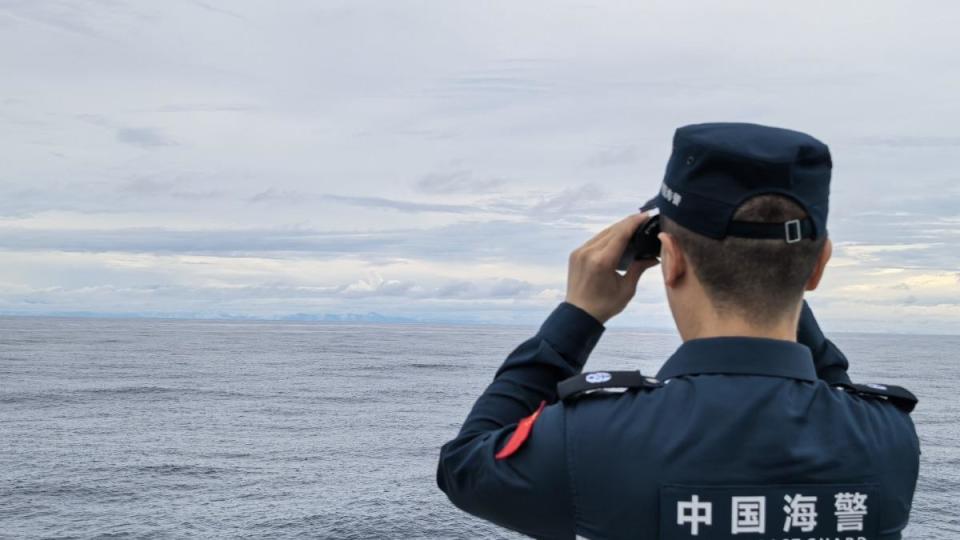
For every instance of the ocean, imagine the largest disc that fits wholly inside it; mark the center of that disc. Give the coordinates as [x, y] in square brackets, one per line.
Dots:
[117, 428]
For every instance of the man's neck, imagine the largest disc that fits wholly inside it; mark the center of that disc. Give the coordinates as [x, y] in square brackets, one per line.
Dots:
[719, 325]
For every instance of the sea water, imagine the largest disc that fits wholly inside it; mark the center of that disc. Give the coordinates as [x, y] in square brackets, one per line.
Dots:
[117, 428]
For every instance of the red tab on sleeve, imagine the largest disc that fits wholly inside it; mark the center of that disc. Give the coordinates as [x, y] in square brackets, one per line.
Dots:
[520, 434]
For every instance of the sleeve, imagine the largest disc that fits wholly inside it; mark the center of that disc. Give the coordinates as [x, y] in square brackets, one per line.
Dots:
[528, 491]
[830, 363]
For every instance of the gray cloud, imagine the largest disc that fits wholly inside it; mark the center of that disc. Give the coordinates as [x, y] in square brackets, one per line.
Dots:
[462, 242]
[483, 289]
[575, 204]
[511, 288]
[58, 14]
[937, 256]
[136, 193]
[22, 202]
[207, 107]
[219, 10]
[581, 204]
[273, 194]
[143, 136]
[507, 80]
[461, 290]
[570, 201]
[456, 182]
[152, 187]
[909, 141]
[921, 241]
[618, 155]
[146, 186]
[401, 205]
[166, 241]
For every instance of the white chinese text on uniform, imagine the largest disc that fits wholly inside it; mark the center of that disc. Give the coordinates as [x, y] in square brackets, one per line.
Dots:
[801, 512]
[749, 515]
[694, 512]
[851, 508]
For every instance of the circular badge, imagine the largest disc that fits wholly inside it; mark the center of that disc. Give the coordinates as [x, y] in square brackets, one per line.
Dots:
[598, 377]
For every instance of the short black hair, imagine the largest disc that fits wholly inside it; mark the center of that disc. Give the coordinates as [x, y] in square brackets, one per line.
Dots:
[757, 279]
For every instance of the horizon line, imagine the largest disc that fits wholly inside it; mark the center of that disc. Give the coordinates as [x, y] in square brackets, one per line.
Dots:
[371, 318]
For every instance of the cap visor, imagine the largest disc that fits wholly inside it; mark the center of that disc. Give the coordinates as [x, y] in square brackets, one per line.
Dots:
[649, 205]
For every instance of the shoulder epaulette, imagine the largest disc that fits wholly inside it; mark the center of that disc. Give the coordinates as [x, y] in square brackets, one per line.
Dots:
[898, 395]
[597, 380]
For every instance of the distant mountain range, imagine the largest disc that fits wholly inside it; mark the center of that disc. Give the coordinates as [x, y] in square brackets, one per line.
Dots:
[371, 316]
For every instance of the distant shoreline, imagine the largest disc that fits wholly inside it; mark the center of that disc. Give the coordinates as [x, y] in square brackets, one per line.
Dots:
[369, 320]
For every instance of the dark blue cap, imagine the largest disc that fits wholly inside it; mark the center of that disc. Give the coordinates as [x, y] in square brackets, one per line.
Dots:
[714, 168]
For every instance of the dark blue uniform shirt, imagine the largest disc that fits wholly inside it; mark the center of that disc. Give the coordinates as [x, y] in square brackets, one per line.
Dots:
[740, 438]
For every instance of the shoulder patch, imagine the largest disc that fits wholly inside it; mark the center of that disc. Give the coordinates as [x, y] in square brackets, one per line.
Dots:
[520, 434]
[898, 395]
[596, 380]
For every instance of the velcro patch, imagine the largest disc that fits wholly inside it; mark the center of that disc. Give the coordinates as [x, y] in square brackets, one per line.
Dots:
[898, 395]
[597, 380]
[520, 434]
[782, 512]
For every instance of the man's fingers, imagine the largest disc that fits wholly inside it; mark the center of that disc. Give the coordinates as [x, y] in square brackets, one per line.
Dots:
[624, 229]
[636, 269]
[618, 237]
[605, 248]
[597, 237]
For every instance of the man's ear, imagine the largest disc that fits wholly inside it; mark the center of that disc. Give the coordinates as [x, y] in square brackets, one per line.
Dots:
[825, 254]
[673, 264]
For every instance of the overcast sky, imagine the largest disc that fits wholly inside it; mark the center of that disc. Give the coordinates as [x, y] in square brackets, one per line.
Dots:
[439, 160]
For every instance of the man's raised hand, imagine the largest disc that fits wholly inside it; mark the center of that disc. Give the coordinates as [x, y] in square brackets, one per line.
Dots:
[593, 283]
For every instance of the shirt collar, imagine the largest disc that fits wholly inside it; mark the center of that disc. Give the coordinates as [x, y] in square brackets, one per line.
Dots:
[741, 356]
